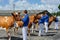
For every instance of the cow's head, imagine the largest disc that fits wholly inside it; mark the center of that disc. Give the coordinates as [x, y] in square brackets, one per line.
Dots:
[16, 15]
[39, 15]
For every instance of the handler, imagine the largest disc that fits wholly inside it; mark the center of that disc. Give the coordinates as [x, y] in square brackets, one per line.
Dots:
[46, 20]
[25, 25]
[41, 25]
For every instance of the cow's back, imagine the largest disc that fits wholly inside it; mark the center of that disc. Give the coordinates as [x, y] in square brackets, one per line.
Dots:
[6, 21]
[31, 18]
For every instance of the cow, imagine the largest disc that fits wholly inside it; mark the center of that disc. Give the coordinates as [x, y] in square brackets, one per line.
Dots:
[51, 18]
[7, 22]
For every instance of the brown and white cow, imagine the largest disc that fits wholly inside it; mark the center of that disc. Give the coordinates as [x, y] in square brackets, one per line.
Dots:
[8, 21]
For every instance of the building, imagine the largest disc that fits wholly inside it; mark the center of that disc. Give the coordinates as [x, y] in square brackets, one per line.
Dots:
[8, 12]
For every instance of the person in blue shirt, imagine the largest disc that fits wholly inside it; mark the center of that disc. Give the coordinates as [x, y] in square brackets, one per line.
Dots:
[46, 20]
[41, 25]
[25, 25]
[56, 22]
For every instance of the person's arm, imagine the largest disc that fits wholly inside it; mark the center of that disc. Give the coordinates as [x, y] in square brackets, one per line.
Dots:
[57, 19]
[46, 17]
[24, 19]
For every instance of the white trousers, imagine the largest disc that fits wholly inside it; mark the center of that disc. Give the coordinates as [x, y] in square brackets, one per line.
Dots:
[24, 33]
[46, 26]
[56, 25]
[41, 29]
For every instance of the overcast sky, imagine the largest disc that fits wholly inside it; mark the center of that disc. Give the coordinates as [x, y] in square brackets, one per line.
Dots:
[50, 5]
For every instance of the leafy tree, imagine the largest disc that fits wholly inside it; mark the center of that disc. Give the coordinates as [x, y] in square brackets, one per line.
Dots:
[56, 13]
[59, 6]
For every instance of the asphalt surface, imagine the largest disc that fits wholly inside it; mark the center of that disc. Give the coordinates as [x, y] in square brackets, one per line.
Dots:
[51, 35]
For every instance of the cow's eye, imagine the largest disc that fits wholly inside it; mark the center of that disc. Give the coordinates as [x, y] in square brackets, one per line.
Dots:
[16, 15]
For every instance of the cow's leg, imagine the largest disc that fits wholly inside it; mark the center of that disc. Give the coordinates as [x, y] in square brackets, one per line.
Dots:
[9, 36]
[15, 28]
[33, 27]
[49, 24]
[29, 26]
[36, 26]
[29, 32]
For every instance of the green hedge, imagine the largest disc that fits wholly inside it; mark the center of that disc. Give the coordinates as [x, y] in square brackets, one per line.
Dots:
[57, 13]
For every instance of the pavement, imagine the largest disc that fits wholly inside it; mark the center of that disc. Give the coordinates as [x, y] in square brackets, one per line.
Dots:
[51, 35]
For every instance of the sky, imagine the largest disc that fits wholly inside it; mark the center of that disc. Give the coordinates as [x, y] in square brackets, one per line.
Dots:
[50, 5]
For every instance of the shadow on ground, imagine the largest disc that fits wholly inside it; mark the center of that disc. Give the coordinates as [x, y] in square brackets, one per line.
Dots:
[56, 37]
[12, 38]
[53, 29]
[50, 34]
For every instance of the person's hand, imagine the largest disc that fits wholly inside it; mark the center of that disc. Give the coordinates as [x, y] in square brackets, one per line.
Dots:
[41, 15]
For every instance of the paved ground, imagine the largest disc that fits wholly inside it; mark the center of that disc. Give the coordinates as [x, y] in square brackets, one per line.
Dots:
[51, 35]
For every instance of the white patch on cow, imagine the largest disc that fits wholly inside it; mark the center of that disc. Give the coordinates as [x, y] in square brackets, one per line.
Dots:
[16, 24]
[2, 28]
[16, 12]
[6, 18]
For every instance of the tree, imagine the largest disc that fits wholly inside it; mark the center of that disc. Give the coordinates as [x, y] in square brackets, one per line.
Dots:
[59, 6]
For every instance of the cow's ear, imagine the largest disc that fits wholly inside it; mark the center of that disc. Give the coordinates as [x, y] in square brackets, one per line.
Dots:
[12, 14]
[18, 12]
